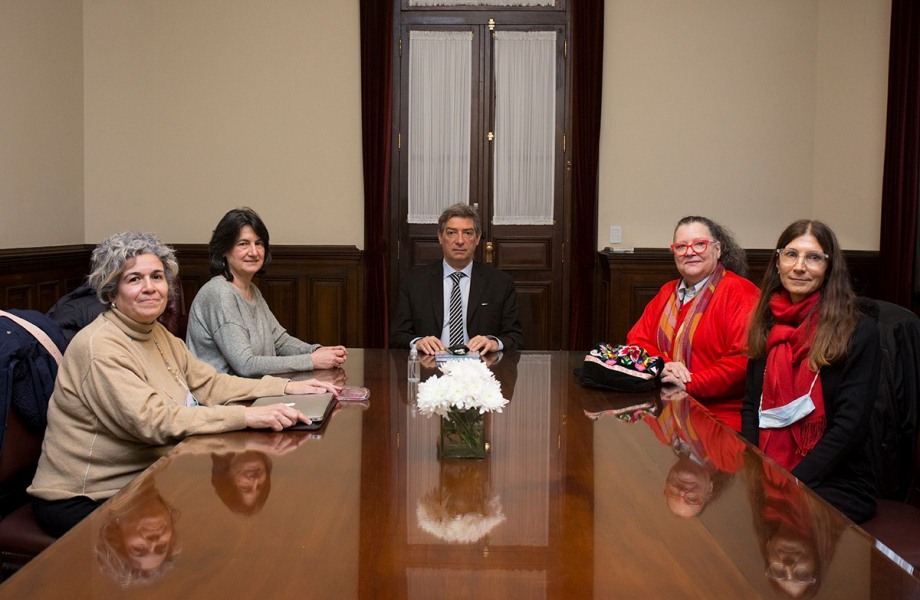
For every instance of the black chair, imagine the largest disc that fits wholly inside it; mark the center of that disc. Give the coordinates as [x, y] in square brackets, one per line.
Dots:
[894, 441]
[21, 539]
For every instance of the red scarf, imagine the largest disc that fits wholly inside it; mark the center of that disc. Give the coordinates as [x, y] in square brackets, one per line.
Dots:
[785, 502]
[676, 341]
[789, 377]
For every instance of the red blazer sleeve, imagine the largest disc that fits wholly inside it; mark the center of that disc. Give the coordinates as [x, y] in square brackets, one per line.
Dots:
[718, 357]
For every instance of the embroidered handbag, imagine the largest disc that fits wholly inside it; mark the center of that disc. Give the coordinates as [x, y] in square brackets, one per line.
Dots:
[621, 368]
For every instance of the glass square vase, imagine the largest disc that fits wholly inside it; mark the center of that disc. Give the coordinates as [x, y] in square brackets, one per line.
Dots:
[463, 434]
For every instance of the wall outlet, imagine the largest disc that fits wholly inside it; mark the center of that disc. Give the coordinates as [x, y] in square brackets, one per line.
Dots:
[616, 234]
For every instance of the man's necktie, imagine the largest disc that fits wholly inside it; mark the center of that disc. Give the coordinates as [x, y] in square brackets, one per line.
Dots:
[456, 310]
[687, 295]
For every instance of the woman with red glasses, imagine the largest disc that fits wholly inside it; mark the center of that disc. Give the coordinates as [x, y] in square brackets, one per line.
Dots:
[698, 323]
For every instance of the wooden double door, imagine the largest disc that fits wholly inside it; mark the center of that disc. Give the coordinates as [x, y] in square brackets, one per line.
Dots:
[481, 116]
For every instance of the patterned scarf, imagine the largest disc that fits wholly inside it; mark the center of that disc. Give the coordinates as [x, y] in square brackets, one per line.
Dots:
[789, 377]
[676, 341]
[675, 428]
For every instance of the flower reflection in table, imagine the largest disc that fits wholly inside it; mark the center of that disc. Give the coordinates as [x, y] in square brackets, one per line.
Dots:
[462, 509]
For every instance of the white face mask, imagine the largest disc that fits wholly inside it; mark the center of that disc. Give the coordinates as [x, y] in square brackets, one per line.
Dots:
[783, 416]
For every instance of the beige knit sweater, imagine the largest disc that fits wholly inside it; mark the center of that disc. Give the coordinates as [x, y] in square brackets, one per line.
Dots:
[117, 407]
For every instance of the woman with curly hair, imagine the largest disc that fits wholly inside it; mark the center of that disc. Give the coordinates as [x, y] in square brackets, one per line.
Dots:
[127, 389]
[698, 322]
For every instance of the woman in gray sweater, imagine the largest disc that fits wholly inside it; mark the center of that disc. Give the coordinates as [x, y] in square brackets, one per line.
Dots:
[230, 325]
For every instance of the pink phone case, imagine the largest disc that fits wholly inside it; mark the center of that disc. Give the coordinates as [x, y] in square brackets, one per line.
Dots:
[351, 393]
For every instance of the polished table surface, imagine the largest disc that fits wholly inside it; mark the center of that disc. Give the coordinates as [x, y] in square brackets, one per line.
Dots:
[584, 494]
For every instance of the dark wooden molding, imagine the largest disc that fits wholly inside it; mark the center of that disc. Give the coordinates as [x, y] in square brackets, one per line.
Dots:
[628, 281]
[34, 278]
[316, 292]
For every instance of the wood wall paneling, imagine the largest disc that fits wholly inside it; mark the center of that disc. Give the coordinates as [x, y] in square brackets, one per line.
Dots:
[523, 255]
[533, 299]
[425, 251]
[281, 294]
[34, 278]
[314, 291]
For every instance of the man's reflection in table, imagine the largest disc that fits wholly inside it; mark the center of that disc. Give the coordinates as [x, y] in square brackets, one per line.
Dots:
[708, 455]
[796, 532]
[137, 542]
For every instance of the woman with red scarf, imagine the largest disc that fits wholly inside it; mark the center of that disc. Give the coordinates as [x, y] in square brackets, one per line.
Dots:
[698, 323]
[814, 370]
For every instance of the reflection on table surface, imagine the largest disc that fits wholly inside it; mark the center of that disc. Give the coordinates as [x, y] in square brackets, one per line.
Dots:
[585, 493]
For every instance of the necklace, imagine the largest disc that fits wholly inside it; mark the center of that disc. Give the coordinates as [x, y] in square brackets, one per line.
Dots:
[189, 398]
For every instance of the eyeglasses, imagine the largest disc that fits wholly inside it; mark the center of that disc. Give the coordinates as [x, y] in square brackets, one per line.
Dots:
[790, 256]
[779, 572]
[698, 246]
[690, 497]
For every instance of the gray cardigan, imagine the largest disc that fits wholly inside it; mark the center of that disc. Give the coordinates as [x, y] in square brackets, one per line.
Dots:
[240, 337]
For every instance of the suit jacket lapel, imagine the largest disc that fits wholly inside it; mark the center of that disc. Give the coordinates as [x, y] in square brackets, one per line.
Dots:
[477, 286]
[436, 293]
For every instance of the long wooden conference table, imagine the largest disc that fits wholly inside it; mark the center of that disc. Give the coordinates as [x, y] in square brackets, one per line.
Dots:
[584, 494]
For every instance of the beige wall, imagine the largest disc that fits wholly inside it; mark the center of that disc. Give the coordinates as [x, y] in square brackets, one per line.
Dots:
[41, 123]
[752, 113]
[194, 107]
[163, 114]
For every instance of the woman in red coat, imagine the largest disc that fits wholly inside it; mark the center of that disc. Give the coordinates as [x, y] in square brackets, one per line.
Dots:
[698, 323]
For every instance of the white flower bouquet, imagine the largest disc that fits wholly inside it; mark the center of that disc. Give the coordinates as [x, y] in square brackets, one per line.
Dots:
[465, 385]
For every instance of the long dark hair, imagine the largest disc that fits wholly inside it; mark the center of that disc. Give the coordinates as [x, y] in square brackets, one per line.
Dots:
[733, 256]
[839, 312]
[225, 234]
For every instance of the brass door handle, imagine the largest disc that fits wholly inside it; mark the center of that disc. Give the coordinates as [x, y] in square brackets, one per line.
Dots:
[489, 252]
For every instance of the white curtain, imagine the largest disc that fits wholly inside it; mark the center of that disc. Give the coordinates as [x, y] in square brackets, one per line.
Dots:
[440, 79]
[525, 113]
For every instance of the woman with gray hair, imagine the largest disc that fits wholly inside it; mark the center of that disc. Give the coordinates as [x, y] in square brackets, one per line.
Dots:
[128, 389]
[698, 322]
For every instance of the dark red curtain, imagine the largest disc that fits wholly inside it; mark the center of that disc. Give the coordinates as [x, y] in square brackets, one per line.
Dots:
[587, 73]
[900, 192]
[376, 116]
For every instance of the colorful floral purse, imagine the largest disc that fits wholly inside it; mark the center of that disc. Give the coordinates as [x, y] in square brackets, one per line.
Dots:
[620, 368]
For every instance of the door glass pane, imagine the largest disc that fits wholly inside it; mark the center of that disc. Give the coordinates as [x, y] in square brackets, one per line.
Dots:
[525, 114]
[440, 79]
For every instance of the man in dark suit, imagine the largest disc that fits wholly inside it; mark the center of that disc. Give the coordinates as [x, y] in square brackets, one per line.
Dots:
[489, 305]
